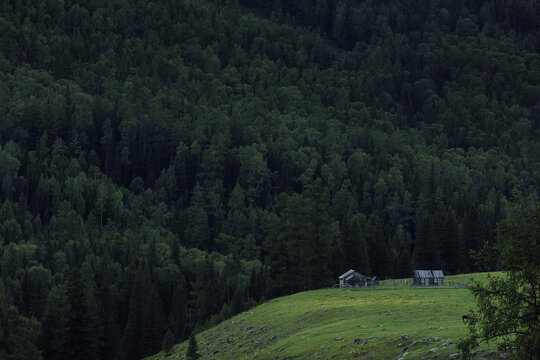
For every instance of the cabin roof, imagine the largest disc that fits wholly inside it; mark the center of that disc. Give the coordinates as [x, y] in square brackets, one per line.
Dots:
[350, 274]
[428, 273]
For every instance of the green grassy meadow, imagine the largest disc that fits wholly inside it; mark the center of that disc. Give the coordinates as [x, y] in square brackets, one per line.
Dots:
[323, 324]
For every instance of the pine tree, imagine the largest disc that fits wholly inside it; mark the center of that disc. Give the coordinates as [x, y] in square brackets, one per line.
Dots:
[425, 250]
[322, 234]
[80, 337]
[404, 266]
[278, 258]
[355, 244]
[197, 231]
[192, 349]
[237, 302]
[54, 324]
[89, 289]
[472, 237]
[138, 305]
[145, 324]
[449, 244]
[168, 342]
[10, 230]
[9, 317]
[376, 243]
[153, 324]
[25, 340]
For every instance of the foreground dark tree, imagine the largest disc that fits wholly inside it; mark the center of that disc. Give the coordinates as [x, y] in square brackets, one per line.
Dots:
[168, 342]
[509, 307]
[81, 342]
[192, 350]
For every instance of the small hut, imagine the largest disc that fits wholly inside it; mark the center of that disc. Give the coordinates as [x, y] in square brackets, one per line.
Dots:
[428, 278]
[352, 279]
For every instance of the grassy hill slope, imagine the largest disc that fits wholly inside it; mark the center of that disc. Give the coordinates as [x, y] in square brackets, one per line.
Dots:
[340, 323]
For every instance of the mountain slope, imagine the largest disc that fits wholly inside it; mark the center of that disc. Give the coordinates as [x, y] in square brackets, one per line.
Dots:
[324, 323]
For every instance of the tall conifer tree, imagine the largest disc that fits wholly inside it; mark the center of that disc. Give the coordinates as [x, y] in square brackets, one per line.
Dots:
[449, 243]
[81, 342]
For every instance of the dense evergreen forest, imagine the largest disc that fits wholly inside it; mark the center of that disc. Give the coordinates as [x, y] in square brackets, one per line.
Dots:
[167, 164]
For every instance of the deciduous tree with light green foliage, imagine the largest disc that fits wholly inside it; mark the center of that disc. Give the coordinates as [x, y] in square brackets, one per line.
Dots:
[508, 310]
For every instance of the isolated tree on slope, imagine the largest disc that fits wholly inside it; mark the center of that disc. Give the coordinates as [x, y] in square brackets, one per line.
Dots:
[192, 350]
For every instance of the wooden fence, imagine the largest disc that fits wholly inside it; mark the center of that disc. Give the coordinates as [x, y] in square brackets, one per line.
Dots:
[398, 284]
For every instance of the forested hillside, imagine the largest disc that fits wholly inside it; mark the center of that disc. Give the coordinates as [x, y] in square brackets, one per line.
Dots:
[166, 164]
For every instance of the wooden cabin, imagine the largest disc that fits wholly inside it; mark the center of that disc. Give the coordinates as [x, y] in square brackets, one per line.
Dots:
[428, 278]
[352, 279]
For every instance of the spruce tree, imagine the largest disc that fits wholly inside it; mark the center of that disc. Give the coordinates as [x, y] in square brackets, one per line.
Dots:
[89, 289]
[425, 250]
[80, 337]
[132, 340]
[376, 243]
[356, 249]
[449, 244]
[472, 237]
[278, 258]
[25, 339]
[168, 342]
[192, 349]
[54, 324]
[9, 317]
[322, 235]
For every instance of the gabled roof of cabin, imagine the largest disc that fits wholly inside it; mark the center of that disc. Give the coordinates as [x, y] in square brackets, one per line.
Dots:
[428, 273]
[350, 274]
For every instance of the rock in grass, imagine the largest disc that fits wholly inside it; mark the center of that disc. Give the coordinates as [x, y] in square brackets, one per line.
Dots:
[454, 356]
[370, 337]
[403, 337]
[503, 356]
[338, 339]
[441, 328]
[414, 343]
[434, 350]
[357, 340]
